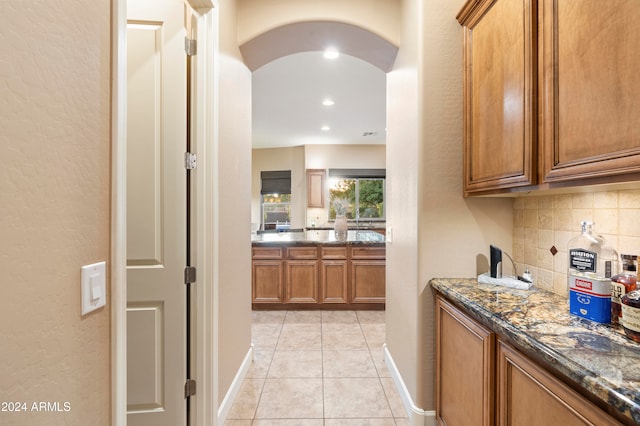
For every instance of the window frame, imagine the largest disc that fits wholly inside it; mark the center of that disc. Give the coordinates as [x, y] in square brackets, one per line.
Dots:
[358, 175]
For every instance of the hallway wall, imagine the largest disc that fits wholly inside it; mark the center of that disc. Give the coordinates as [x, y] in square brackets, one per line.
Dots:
[54, 208]
[436, 232]
[233, 200]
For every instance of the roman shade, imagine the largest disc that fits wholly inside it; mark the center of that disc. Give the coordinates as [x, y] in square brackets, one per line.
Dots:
[358, 173]
[276, 182]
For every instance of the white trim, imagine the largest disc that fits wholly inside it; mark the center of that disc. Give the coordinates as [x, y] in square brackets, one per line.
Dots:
[206, 330]
[118, 269]
[417, 416]
[234, 389]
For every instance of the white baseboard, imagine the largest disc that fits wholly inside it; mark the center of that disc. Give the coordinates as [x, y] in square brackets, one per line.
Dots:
[234, 389]
[417, 416]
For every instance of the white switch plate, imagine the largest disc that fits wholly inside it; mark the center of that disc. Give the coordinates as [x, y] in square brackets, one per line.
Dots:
[389, 234]
[93, 287]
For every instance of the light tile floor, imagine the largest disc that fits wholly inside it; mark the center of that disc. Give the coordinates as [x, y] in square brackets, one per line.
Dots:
[314, 368]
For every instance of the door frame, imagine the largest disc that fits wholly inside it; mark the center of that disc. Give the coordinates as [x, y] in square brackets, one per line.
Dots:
[204, 405]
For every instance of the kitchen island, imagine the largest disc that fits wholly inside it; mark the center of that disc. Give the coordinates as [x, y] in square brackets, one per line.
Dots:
[527, 356]
[315, 270]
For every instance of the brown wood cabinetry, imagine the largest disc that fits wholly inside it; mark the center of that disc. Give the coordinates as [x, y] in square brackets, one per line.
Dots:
[368, 281]
[527, 394]
[499, 94]
[551, 95]
[328, 277]
[590, 88]
[464, 369]
[301, 275]
[479, 384]
[334, 275]
[267, 275]
[315, 188]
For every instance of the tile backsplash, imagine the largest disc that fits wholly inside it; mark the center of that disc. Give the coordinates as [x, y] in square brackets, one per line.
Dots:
[543, 222]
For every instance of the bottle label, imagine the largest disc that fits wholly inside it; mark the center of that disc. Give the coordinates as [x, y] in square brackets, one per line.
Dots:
[631, 318]
[617, 291]
[582, 260]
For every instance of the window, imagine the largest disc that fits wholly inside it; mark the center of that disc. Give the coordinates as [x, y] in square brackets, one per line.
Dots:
[276, 198]
[359, 193]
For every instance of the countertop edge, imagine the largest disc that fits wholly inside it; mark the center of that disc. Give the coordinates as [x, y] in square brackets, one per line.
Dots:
[590, 385]
[317, 243]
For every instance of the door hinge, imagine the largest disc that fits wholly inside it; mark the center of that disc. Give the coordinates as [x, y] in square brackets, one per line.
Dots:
[189, 388]
[190, 46]
[189, 274]
[190, 160]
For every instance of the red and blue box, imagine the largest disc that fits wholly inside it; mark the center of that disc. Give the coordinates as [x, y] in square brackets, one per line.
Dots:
[590, 298]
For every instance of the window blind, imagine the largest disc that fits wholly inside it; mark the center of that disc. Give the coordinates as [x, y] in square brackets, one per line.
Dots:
[276, 182]
[358, 173]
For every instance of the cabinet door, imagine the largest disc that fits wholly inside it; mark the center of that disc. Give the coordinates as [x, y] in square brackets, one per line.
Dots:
[334, 281]
[590, 88]
[267, 281]
[301, 281]
[465, 369]
[500, 99]
[315, 188]
[368, 281]
[528, 395]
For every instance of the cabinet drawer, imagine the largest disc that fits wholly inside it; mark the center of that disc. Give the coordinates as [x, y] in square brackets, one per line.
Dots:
[368, 252]
[333, 252]
[302, 253]
[266, 252]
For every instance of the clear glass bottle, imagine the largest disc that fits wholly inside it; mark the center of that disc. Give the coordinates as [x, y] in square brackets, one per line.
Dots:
[622, 284]
[592, 263]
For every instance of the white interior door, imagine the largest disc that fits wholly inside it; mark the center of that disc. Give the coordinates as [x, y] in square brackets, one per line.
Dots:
[156, 213]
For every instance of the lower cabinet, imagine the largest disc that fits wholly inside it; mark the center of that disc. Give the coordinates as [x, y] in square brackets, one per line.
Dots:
[368, 266]
[368, 281]
[482, 380]
[464, 369]
[528, 394]
[301, 281]
[336, 277]
[267, 281]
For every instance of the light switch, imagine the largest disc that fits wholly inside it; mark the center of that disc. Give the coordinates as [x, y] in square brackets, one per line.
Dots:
[96, 289]
[93, 287]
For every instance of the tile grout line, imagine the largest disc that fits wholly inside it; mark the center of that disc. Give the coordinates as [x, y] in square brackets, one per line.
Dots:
[266, 376]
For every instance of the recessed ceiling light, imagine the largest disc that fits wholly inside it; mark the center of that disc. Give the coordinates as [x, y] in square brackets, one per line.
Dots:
[325, 128]
[331, 53]
[327, 102]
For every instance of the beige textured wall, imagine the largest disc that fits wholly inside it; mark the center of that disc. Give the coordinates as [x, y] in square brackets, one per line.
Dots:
[298, 159]
[345, 156]
[54, 207]
[233, 193]
[436, 232]
[259, 16]
[280, 159]
[544, 221]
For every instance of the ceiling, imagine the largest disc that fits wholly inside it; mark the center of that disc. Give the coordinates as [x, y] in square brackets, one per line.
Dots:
[291, 78]
[287, 98]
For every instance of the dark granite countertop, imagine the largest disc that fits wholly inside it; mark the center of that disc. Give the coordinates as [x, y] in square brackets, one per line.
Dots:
[596, 357]
[373, 227]
[318, 237]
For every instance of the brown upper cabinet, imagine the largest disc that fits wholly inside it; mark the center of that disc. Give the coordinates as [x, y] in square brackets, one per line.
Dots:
[315, 188]
[551, 95]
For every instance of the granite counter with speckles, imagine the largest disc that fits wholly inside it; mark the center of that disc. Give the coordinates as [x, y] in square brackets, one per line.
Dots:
[596, 359]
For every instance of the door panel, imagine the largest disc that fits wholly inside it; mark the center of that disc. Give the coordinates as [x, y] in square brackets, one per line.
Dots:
[145, 356]
[144, 134]
[156, 213]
